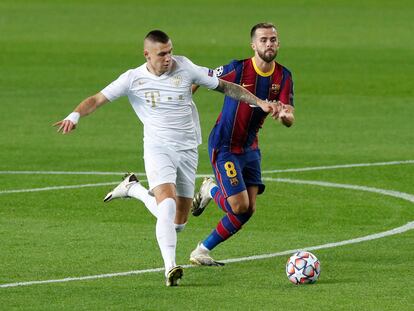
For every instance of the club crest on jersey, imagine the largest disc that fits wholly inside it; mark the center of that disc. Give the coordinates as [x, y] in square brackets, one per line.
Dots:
[176, 81]
[275, 88]
[234, 181]
[219, 71]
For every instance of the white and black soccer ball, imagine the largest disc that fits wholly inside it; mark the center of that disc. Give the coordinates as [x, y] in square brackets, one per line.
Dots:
[303, 268]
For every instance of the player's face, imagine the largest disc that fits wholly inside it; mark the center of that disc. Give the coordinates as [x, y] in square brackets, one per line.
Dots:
[159, 56]
[265, 44]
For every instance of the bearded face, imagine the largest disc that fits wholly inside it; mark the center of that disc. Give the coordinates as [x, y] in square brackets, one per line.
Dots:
[268, 55]
[265, 43]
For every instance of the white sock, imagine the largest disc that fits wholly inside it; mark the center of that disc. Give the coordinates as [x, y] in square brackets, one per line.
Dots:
[139, 192]
[165, 232]
[179, 227]
[203, 248]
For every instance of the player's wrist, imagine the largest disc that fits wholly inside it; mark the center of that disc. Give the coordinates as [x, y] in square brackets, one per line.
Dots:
[73, 117]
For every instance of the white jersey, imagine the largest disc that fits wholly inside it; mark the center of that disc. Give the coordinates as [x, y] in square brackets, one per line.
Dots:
[164, 103]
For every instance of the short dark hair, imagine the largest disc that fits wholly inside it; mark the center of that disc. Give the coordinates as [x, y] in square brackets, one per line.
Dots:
[157, 36]
[260, 25]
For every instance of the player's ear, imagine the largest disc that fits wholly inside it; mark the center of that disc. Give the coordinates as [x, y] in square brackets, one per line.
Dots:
[146, 53]
[253, 46]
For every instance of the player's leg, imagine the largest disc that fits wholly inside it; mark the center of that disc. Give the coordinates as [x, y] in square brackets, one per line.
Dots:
[139, 192]
[229, 225]
[239, 181]
[242, 204]
[229, 191]
[155, 158]
[165, 230]
[230, 194]
[237, 214]
[183, 209]
[186, 174]
[229, 176]
[186, 166]
[161, 169]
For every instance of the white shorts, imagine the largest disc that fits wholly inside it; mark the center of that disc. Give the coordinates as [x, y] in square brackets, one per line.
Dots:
[164, 164]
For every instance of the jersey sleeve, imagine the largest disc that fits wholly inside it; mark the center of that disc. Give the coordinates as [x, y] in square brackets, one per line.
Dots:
[202, 75]
[226, 72]
[117, 88]
[286, 90]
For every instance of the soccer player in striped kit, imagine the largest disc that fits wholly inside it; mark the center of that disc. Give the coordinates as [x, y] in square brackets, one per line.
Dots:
[233, 142]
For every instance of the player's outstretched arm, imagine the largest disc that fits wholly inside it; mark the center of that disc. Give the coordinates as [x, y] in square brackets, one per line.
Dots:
[240, 93]
[86, 107]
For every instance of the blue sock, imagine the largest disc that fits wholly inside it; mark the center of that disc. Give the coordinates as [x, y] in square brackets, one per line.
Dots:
[228, 226]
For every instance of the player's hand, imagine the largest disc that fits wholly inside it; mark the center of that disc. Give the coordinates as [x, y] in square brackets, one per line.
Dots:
[68, 124]
[285, 115]
[65, 126]
[276, 107]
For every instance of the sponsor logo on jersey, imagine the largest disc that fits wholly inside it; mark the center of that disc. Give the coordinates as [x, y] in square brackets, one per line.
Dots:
[210, 72]
[247, 85]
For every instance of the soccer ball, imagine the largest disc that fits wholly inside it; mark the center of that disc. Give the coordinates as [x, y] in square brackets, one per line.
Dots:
[303, 268]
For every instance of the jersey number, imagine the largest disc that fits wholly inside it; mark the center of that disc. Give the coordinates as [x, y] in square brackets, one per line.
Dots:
[230, 170]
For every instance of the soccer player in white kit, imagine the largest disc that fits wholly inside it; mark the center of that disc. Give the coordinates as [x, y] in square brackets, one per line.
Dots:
[160, 94]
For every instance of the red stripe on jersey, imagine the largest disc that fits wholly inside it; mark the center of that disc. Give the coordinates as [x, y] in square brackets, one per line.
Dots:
[230, 76]
[218, 175]
[244, 112]
[286, 93]
[277, 77]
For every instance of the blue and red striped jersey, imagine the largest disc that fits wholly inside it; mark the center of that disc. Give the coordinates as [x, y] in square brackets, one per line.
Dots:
[238, 124]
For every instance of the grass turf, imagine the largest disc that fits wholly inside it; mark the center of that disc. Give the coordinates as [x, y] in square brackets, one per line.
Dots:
[352, 64]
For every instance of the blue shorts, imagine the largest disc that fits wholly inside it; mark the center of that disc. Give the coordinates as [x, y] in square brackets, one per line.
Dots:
[234, 172]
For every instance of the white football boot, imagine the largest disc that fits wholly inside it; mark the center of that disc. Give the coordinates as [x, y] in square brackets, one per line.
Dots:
[202, 197]
[121, 191]
[174, 276]
[201, 257]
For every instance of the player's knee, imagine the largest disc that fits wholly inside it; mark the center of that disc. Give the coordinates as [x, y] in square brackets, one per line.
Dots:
[240, 207]
[244, 209]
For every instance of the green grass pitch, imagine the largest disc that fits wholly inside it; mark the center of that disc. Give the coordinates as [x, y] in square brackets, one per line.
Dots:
[353, 66]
